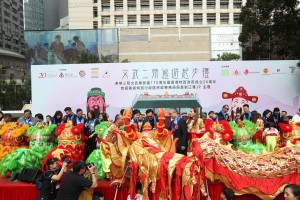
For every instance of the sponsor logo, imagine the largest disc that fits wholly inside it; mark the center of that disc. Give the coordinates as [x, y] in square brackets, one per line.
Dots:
[225, 72]
[265, 71]
[70, 75]
[82, 73]
[42, 75]
[61, 75]
[237, 72]
[292, 69]
[248, 72]
[95, 73]
[278, 71]
[51, 74]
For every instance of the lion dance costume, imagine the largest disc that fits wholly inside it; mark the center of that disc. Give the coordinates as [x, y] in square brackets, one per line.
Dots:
[13, 137]
[70, 144]
[33, 156]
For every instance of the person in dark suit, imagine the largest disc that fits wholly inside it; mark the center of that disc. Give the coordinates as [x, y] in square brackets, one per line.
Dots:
[178, 125]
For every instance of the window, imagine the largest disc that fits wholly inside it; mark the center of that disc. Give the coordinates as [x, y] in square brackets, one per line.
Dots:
[197, 4]
[236, 18]
[105, 20]
[184, 4]
[95, 24]
[95, 11]
[119, 21]
[131, 4]
[95, 1]
[158, 4]
[224, 18]
[171, 19]
[171, 4]
[197, 19]
[131, 20]
[145, 20]
[211, 18]
[118, 5]
[237, 3]
[145, 4]
[211, 4]
[158, 20]
[184, 19]
[105, 5]
[224, 4]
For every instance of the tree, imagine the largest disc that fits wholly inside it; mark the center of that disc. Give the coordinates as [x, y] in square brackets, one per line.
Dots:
[226, 57]
[85, 57]
[14, 95]
[270, 28]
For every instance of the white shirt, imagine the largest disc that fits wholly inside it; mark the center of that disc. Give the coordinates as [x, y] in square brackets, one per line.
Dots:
[296, 118]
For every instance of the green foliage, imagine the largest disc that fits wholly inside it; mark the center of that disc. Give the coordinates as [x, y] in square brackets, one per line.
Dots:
[125, 61]
[14, 95]
[226, 57]
[85, 57]
[270, 28]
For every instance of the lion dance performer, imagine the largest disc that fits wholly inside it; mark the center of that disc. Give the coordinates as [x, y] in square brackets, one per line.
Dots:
[41, 141]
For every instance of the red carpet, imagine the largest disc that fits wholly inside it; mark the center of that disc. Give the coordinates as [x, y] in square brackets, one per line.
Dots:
[26, 191]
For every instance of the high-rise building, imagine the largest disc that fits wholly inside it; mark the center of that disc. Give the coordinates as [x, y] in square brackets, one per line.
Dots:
[154, 13]
[45, 14]
[12, 47]
[34, 14]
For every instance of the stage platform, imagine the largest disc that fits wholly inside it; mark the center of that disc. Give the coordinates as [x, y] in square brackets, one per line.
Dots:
[26, 191]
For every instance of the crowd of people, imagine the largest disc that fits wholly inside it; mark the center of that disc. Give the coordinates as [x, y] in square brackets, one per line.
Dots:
[184, 129]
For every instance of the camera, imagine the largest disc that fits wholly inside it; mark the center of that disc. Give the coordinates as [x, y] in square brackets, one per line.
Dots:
[67, 161]
[89, 165]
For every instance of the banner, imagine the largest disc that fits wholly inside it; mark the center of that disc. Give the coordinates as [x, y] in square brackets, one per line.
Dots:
[64, 46]
[109, 87]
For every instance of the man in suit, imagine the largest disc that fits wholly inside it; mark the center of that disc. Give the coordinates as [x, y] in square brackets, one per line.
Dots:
[178, 125]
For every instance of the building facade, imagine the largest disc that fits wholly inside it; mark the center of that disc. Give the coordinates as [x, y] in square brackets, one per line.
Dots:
[34, 14]
[154, 13]
[163, 30]
[12, 46]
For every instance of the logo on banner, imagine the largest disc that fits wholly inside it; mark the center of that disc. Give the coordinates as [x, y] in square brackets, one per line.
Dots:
[61, 75]
[246, 72]
[292, 68]
[265, 71]
[225, 72]
[94, 73]
[69, 75]
[237, 72]
[51, 74]
[82, 73]
[42, 75]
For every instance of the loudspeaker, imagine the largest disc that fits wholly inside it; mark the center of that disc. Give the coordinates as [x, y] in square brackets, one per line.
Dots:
[29, 175]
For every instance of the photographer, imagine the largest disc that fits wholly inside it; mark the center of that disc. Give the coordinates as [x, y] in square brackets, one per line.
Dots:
[75, 182]
[50, 178]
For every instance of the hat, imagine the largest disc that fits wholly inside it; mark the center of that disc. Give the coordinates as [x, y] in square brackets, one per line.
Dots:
[57, 36]
[241, 93]
[96, 92]
[51, 161]
[75, 37]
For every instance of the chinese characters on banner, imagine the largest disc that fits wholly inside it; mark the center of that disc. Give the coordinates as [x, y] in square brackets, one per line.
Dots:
[157, 79]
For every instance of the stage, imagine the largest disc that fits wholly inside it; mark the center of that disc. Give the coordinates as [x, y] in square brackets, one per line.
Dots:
[26, 191]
